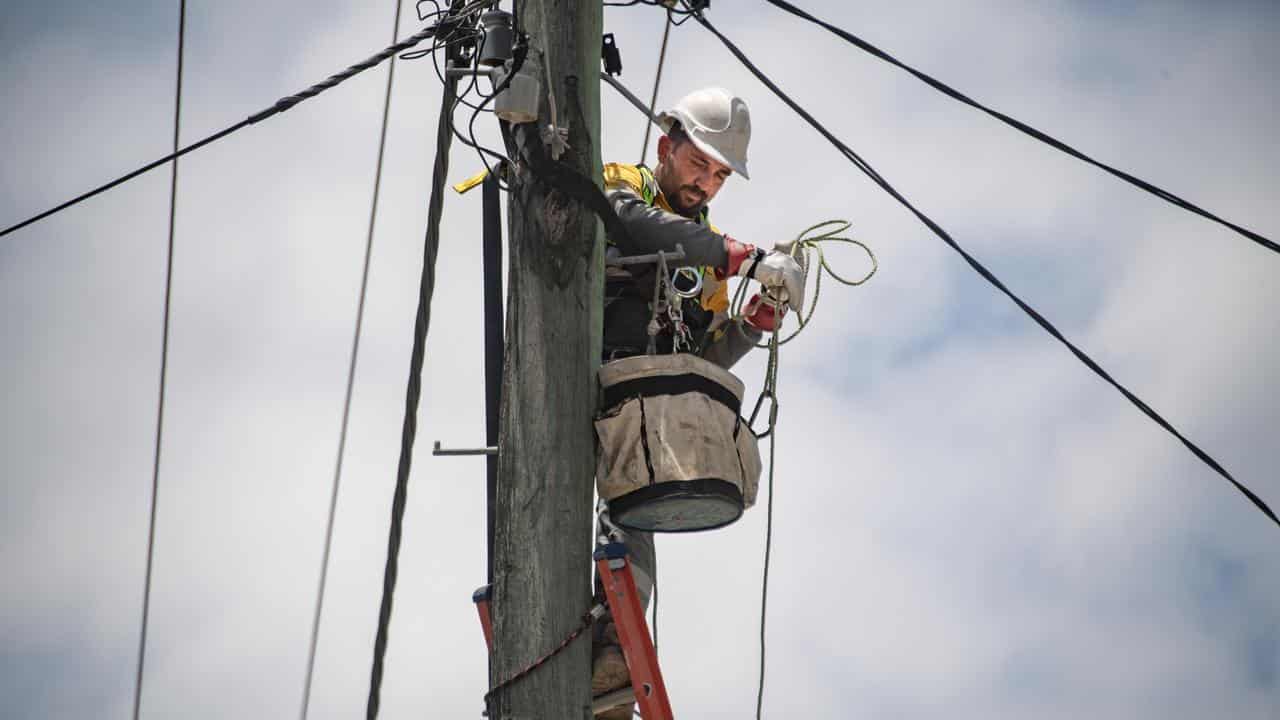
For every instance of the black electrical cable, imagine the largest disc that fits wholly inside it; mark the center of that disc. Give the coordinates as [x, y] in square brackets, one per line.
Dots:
[125, 178]
[475, 36]
[444, 137]
[651, 3]
[986, 274]
[351, 379]
[473, 85]
[1025, 128]
[494, 353]
[657, 81]
[520, 52]
[281, 105]
[471, 141]
[688, 12]
[164, 367]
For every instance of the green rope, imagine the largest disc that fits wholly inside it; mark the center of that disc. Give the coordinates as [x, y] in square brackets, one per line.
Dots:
[771, 381]
[807, 244]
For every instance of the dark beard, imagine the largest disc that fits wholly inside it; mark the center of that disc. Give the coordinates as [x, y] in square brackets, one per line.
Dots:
[690, 212]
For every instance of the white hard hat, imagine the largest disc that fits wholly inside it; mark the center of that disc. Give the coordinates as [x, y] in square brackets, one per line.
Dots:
[717, 121]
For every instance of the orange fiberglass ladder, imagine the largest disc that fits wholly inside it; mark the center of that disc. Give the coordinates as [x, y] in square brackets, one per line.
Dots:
[647, 688]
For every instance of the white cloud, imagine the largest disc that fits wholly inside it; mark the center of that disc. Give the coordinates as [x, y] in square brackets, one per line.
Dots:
[967, 522]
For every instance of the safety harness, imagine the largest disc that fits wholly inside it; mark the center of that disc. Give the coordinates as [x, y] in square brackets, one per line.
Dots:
[684, 315]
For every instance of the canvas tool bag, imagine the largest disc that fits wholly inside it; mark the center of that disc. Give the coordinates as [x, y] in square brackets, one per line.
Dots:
[674, 453]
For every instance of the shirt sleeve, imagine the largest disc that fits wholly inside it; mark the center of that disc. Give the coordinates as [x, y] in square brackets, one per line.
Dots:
[653, 229]
[730, 343]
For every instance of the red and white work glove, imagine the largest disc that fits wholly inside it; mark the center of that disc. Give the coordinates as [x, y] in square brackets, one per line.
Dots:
[779, 273]
[763, 313]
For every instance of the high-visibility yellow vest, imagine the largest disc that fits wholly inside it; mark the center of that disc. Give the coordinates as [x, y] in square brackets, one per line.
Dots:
[715, 293]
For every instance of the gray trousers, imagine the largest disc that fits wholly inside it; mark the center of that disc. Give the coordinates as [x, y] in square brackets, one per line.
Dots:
[644, 561]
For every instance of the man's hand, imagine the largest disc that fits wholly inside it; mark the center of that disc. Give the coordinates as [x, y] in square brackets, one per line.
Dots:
[781, 275]
[778, 272]
[762, 314]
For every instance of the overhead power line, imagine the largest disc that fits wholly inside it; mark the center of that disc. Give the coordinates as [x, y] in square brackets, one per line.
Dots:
[280, 106]
[413, 390]
[657, 81]
[351, 381]
[866, 168]
[164, 368]
[1027, 129]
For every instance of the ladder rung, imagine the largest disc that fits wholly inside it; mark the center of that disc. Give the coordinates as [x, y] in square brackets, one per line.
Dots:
[610, 700]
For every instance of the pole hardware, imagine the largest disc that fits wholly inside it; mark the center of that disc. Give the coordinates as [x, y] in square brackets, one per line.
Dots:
[499, 38]
[610, 55]
[437, 450]
[516, 104]
[624, 260]
[463, 72]
[686, 282]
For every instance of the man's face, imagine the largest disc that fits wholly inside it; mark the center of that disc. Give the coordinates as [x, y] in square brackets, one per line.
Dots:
[688, 177]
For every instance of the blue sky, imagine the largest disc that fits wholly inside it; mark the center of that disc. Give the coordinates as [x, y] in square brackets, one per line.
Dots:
[967, 522]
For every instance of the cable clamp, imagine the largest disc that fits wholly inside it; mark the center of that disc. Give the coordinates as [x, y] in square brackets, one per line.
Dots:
[556, 139]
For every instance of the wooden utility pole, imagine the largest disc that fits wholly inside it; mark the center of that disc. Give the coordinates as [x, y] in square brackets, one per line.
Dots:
[542, 544]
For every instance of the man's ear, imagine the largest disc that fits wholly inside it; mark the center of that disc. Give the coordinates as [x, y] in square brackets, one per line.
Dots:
[664, 148]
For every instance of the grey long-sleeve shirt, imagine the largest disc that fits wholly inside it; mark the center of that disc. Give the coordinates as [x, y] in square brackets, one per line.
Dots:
[652, 229]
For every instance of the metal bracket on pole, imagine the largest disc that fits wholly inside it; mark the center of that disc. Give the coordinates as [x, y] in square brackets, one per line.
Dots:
[437, 450]
[647, 259]
[465, 72]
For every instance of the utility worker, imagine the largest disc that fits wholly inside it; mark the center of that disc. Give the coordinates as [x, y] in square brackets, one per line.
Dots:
[704, 143]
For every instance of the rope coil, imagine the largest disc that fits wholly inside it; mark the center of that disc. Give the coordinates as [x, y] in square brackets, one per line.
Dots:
[806, 244]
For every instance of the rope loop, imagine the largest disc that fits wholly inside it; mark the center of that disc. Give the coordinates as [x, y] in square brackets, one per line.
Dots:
[807, 244]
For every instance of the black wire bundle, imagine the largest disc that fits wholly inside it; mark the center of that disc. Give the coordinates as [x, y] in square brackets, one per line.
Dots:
[322, 582]
[445, 27]
[413, 391]
[470, 40]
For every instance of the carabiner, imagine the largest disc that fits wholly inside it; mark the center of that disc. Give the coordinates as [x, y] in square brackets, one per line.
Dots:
[686, 282]
[773, 414]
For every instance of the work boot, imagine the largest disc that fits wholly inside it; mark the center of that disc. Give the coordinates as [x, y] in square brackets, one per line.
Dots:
[609, 670]
[622, 712]
[616, 705]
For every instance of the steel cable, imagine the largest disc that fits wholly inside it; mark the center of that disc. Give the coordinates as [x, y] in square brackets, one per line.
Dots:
[413, 391]
[351, 378]
[280, 106]
[164, 367]
[1040, 320]
[657, 81]
[1025, 128]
